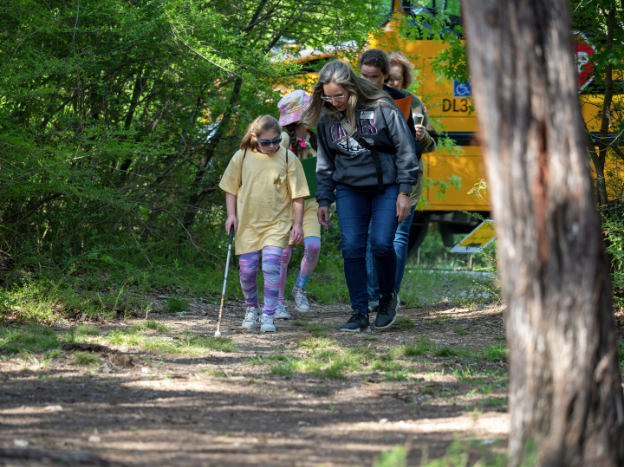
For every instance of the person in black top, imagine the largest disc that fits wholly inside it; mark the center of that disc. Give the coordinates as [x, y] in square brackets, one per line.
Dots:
[366, 157]
[375, 67]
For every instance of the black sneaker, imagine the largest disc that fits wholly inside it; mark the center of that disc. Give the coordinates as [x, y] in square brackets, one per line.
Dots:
[387, 312]
[357, 323]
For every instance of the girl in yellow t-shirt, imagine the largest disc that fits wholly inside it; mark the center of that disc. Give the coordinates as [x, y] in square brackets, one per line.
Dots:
[265, 189]
[302, 142]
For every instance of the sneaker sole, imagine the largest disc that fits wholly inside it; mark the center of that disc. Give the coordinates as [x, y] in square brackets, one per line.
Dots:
[302, 310]
[356, 330]
[268, 330]
[282, 317]
[249, 326]
[388, 325]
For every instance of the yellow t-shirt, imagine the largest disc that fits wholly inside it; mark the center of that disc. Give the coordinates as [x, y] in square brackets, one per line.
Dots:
[310, 223]
[264, 189]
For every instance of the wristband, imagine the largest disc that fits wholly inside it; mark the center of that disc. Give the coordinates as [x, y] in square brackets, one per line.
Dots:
[406, 194]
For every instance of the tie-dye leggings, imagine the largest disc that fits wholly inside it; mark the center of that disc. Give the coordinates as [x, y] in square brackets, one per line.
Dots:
[248, 270]
[312, 247]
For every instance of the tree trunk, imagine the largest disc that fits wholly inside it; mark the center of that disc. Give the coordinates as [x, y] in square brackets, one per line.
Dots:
[565, 385]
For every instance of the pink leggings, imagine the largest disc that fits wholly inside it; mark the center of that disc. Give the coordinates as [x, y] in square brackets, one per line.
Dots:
[248, 270]
[312, 247]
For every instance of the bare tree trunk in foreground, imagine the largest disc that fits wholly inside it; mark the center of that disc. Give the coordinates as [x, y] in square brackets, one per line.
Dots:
[565, 386]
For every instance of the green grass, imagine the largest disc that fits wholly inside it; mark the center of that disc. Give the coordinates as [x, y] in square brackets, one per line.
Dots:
[459, 330]
[85, 330]
[494, 352]
[315, 329]
[187, 344]
[315, 343]
[176, 305]
[30, 338]
[399, 375]
[421, 346]
[445, 351]
[403, 322]
[151, 324]
[324, 363]
[85, 358]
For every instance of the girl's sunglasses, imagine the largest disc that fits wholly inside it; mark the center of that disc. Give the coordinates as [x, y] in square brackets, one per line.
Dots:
[269, 143]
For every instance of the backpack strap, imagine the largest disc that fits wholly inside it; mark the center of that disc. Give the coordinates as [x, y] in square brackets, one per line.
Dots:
[242, 160]
[375, 155]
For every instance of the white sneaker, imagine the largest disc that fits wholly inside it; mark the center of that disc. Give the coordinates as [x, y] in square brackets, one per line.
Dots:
[281, 312]
[398, 303]
[301, 302]
[266, 323]
[251, 320]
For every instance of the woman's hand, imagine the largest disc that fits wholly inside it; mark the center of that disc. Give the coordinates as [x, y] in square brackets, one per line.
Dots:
[231, 221]
[404, 204]
[420, 129]
[324, 216]
[297, 234]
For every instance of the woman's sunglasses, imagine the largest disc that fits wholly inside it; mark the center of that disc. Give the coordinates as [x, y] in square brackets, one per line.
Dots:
[269, 143]
[333, 99]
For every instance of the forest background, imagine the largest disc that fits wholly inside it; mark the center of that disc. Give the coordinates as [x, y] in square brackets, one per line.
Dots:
[118, 118]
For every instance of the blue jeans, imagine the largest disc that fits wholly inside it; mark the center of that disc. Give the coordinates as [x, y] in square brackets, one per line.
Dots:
[357, 208]
[401, 252]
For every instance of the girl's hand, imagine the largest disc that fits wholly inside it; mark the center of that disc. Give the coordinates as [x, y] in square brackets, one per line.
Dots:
[403, 207]
[297, 234]
[324, 216]
[231, 221]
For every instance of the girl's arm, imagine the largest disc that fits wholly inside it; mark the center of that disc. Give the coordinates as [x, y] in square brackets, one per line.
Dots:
[297, 234]
[231, 221]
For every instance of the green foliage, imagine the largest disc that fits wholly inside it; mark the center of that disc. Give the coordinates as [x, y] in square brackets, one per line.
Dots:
[613, 231]
[176, 305]
[118, 119]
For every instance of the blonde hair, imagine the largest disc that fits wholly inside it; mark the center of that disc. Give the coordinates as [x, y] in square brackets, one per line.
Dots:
[361, 92]
[260, 125]
[407, 68]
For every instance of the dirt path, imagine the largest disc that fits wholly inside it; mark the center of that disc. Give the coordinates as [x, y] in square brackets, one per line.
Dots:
[304, 396]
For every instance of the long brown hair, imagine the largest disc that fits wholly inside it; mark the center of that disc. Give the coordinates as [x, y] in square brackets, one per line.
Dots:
[299, 151]
[361, 92]
[260, 125]
[407, 68]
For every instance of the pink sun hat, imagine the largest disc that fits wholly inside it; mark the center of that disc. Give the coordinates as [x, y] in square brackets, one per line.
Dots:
[292, 106]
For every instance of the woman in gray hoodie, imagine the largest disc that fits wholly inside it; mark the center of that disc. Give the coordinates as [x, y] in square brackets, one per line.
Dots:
[367, 163]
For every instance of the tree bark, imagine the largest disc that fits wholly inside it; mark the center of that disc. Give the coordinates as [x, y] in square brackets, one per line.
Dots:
[565, 386]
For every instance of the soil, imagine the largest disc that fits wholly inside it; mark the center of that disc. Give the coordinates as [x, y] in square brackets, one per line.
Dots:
[145, 409]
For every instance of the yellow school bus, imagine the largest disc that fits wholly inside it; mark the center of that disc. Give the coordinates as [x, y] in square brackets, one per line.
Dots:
[449, 103]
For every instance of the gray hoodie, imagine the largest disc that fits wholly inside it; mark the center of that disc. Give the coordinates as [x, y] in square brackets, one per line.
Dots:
[347, 162]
